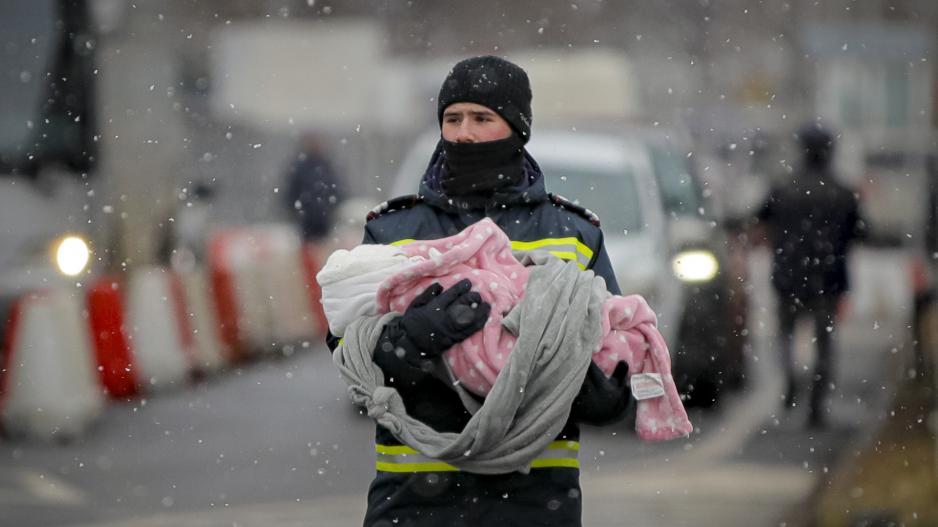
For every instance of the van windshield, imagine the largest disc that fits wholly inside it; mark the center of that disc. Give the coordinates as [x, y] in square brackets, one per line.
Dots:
[27, 34]
[680, 193]
[612, 194]
[46, 78]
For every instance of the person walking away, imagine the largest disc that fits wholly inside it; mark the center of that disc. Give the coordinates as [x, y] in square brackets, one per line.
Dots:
[811, 221]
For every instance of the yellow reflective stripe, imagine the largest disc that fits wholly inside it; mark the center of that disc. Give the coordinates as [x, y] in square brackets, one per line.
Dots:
[401, 458]
[394, 450]
[556, 463]
[564, 445]
[537, 244]
[564, 251]
[579, 248]
[415, 467]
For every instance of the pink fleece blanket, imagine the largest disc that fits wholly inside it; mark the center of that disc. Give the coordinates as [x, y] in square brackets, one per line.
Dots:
[482, 253]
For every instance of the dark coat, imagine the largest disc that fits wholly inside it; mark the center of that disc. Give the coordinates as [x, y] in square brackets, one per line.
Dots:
[811, 223]
[312, 195]
[545, 496]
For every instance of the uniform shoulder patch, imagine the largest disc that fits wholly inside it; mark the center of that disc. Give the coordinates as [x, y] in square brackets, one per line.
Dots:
[584, 212]
[391, 205]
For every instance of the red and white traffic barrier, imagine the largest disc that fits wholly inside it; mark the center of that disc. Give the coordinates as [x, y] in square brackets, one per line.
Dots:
[161, 337]
[281, 272]
[260, 287]
[312, 259]
[115, 359]
[258, 295]
[49, 388]
[238, 295]
[210, 352]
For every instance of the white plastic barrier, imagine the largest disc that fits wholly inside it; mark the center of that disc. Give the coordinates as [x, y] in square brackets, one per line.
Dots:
[260, 288]
[161, 338]
[240, 300]
[210, 353]
[881, 286]
[49, 387]
[281, 272]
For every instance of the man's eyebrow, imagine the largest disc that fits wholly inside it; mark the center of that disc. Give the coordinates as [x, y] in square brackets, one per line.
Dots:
[457, 113]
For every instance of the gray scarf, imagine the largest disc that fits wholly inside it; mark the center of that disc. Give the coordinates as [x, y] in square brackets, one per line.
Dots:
[558, 325]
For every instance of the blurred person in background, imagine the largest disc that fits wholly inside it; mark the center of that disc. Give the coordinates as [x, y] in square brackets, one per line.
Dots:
[479, 169]
[184, 238]
[810, 222]
[313, 192]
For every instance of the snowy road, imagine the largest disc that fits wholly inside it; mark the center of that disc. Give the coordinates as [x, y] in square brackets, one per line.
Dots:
[278, 444]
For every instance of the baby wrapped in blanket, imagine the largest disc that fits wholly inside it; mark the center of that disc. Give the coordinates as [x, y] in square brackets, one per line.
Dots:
[376, 279]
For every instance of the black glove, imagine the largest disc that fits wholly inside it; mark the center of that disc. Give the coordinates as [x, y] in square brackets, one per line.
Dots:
[433, 323]
[603, 401]
[437, 319]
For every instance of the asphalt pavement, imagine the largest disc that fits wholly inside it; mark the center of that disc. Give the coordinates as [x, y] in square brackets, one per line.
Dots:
[278, 444]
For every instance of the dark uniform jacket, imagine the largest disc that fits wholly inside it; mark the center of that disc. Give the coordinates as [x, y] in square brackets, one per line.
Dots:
[313, 194]
[811, 223]
[411, 490]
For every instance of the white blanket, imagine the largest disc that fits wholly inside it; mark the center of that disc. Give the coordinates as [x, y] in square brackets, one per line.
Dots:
[349, 281]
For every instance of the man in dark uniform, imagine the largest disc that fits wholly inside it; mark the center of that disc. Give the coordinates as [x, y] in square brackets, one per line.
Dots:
[811, 222]
[480, 169]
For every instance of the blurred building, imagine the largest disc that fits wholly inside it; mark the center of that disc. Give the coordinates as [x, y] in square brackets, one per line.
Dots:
[218, 91]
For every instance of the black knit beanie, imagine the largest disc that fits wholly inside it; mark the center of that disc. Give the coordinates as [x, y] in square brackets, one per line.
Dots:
[494, 83]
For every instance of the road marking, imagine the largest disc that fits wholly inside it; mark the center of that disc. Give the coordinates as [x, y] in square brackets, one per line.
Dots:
[323, 511]
[740, 481]
[14, 497]
[744, 414]
[49, 489]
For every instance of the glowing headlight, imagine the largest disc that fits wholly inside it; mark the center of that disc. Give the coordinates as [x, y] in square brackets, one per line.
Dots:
[72, 255]
[695, 266]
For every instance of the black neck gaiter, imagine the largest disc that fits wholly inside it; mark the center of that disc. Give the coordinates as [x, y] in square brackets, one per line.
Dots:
[479, 169]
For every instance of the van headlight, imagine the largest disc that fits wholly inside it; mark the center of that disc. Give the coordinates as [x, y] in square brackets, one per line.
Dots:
[695, 266]
[72, 255]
